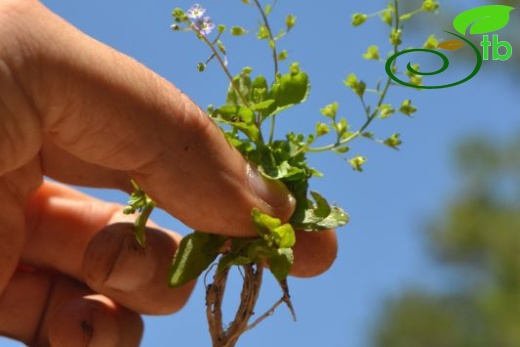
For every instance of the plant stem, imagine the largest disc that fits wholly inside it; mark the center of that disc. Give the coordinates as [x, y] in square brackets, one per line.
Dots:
[382, 96]
[220, 336]
[275, 61]
[222, 64]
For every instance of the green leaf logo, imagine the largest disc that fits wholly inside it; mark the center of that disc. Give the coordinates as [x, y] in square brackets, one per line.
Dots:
[483, 19]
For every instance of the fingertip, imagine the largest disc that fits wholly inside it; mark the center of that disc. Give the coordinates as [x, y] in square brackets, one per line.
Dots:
[94, 321]
[117, 266]
[273, 194]
[314, 253]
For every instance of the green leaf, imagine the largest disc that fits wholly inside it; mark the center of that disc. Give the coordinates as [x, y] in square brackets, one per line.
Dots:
[322, 206]
[264, 223]
[284, 236]
[289, 89]
[337, 218]
[320, 216]
[280, 263]
[258, 250]
[195, 253]
[242, 82]
[232, 259]
[259, 89]
[234, 114]
[283, 171]
[483, 19]
[274, 233]
[263, 105]
[251, 130]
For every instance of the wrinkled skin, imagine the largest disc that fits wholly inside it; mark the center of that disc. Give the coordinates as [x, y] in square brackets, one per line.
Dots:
[79, 112]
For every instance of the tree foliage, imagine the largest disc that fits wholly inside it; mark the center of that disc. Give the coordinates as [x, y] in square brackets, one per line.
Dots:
[479, 239]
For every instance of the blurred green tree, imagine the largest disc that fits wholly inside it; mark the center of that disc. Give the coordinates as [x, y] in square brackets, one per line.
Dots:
[478, 240]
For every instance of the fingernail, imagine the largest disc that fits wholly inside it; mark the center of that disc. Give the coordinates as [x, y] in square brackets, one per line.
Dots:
[273, 192]
[134, 266]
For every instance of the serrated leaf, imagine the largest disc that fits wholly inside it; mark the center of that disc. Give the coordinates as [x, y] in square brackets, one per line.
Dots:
[451, 45]
[483, 19]
[280, 263]
[195, 253]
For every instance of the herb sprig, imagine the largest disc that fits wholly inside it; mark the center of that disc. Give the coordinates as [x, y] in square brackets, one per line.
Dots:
[251, 100]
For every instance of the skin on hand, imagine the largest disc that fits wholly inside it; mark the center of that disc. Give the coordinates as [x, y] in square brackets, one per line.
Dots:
[81, 113]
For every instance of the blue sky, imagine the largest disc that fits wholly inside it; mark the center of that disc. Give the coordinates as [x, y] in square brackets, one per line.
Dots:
[381, 250]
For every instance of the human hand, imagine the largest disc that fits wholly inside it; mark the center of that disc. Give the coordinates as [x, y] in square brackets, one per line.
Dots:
[81, 113]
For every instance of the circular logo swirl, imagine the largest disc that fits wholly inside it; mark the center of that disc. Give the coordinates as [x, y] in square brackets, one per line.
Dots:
[445, 64]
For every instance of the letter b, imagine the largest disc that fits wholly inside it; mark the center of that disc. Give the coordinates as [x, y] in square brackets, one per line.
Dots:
[496, 49]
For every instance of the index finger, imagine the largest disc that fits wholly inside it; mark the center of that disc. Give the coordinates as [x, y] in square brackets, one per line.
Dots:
[106, 110]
